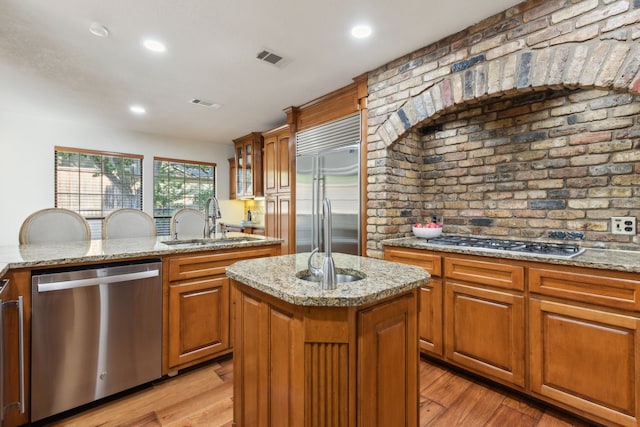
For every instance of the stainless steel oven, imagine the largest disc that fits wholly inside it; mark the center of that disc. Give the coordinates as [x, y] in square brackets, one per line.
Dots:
[95, 332]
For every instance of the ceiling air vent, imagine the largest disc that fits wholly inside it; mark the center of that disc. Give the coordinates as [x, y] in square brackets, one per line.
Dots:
[270, 57]
[204, 103]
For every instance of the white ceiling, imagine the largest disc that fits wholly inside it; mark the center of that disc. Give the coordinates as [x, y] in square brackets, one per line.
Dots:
[51, 64]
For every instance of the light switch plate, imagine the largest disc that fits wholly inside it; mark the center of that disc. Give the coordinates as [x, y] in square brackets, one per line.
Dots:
[623, 225]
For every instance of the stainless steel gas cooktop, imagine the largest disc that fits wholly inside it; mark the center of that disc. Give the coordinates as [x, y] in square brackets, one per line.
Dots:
[562, 250]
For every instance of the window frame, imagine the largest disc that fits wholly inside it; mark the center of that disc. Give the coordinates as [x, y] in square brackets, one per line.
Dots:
[162, 220]
[95, 220]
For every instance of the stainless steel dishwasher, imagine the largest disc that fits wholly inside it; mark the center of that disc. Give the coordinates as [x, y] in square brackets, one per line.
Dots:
[95, 332]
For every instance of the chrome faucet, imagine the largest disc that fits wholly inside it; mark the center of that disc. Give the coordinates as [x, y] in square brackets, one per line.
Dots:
[210, 217]
[328, 269]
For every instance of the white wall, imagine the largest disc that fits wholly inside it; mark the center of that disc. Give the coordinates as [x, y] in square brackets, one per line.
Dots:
[27, 161]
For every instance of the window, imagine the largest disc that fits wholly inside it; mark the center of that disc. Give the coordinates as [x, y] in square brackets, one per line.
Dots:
[180, 184]
[94, 183]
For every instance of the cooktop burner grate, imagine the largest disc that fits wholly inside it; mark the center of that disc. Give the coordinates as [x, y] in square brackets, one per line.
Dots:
[566, 250]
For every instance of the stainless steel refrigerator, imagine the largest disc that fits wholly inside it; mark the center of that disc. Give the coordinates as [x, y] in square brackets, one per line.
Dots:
[335, 174]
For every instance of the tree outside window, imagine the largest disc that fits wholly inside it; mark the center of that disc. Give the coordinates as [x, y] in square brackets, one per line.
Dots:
[94, 183]
[180, 184]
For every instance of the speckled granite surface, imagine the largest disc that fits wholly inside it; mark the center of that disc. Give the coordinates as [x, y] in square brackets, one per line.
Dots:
[276, 276]
[595, 258]
[55, 254]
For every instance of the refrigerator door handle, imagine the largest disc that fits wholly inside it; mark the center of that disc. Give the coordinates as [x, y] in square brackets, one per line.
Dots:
[315, 189]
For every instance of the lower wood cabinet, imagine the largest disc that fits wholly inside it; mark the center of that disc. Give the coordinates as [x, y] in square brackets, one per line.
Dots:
[197, 305]
[430, 316]
[484, 317]
[324, 366]
[15, 402]
[198, 319]
[484, 331]
[586, 358]
[386, 378]
[584, 341]
[567, 335]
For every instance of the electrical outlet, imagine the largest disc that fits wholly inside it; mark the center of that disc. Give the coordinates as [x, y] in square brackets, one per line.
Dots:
[623, 225]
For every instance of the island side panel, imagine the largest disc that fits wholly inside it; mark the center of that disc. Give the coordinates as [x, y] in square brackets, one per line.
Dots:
[388, 363]
[330, 355]
[303, 366]
[268, 361]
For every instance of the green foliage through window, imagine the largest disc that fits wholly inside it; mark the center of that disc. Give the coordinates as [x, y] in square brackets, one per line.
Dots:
[180, 184]
[94, 184]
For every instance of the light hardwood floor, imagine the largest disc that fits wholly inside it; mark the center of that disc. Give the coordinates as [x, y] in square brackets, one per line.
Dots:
[203, 397]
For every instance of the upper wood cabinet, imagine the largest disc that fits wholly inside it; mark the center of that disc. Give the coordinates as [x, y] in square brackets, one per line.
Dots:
[279, 170]
[232, 178]
[278, 161]
[248, 156]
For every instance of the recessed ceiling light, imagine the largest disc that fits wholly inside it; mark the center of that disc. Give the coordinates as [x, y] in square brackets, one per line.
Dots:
[98, 29]
[137, 109]
[361, 31]
[154, 45]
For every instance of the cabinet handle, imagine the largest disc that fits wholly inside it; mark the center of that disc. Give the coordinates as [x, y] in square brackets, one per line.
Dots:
[21, 351]
[19, 303]
[95, 281]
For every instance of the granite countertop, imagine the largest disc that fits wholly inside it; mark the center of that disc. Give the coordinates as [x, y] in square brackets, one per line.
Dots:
[55, 254]
[276, 276]
[606, 259]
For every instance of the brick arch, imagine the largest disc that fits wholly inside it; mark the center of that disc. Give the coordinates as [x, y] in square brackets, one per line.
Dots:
[608, 65]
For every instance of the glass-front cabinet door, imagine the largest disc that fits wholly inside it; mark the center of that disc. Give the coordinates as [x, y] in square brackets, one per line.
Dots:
[247, 169]
[239, 169]
[249, 165]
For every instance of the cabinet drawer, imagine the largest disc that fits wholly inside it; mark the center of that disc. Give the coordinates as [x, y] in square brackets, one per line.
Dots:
[584, 286]
[431, 263]
[213, 264]
[485, 273]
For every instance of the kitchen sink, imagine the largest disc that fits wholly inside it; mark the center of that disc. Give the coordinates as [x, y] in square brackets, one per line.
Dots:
[343, 277]
[181, 243]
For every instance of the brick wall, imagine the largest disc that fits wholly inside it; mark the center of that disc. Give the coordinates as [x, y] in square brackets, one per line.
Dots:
[525, 123]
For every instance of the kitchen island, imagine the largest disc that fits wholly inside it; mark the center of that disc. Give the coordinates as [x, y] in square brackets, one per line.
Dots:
[308, 356]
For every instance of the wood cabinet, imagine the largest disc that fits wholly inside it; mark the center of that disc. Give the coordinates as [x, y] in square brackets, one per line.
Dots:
[567, 335]
[278, 161]
[386, 368]
[484, 312]
[585, 345]
[279, 220]
[232, 178]
[430, 317]
[293, 365]
[279, 169]
[197, 321]
[248, 159]
[14, 375]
